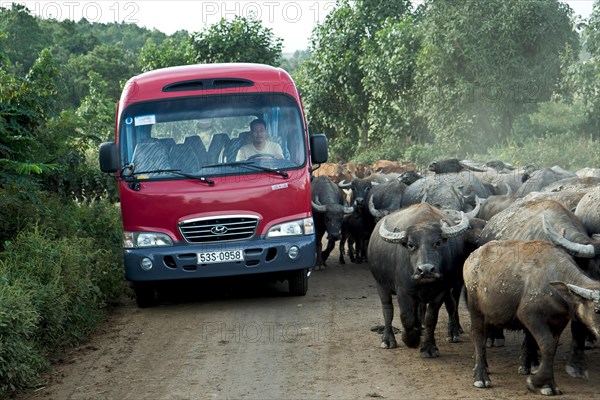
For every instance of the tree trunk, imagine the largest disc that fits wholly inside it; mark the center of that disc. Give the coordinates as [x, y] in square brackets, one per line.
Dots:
[364, 136]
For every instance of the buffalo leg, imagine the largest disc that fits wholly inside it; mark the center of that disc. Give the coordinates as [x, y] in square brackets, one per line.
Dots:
[547, 341]
[320, 262]
[328, 249]
[481, 378]
[576, 365]
[529, 356]
[429, 348]
[495, 337]
[388, 340]
[411, 334]
[342, 245]
[454, 328]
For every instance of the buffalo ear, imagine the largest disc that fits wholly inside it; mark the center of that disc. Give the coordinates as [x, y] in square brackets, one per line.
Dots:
[574, 293]
[564, 291]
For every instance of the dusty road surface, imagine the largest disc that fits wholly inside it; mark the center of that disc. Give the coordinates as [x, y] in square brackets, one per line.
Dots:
[250, 340]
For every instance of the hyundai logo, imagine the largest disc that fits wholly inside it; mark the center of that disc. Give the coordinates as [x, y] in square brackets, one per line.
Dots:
[218, 230]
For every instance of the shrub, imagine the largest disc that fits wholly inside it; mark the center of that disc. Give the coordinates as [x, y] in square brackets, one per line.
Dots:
[20, 355]
[59, 274]
[54, 282]
[570, 151]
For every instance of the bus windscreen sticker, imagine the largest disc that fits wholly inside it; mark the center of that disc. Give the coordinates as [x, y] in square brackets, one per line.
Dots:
[145, 120]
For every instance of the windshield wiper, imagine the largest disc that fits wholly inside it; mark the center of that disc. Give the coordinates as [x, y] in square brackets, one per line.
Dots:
[250, 165]
[128, 173]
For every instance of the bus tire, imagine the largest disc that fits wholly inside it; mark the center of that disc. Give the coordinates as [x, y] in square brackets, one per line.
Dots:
[298, 282]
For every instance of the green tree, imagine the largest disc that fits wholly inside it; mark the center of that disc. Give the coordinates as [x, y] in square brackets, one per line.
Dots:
[174, 50]
[24, 39]
[388, 65]
[114, 64]
[483, 63]
[588, 73]
[25, 105]
[332, 78]
[238, 40]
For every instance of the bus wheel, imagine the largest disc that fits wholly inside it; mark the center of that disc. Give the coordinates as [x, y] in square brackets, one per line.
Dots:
[145, 294]
[298, 282]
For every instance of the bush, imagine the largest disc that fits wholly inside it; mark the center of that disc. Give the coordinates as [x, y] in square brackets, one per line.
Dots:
[20, 355]
[55, 282]
[60, 275]
[570, 151]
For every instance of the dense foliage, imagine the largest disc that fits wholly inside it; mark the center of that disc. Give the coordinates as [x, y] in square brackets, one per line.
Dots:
[450, 78]
[512, 80]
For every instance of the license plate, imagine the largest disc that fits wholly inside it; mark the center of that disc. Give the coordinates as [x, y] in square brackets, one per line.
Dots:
[212, 257]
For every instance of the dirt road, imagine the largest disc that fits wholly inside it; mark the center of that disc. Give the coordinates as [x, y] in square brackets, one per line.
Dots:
[250, 340]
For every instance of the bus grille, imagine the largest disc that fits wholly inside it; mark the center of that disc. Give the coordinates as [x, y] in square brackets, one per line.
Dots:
[222, 229]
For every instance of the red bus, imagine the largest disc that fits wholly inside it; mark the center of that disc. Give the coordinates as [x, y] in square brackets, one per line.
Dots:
[199, 198]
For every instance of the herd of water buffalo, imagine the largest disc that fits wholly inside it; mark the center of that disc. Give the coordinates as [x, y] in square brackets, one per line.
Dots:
[523, 242]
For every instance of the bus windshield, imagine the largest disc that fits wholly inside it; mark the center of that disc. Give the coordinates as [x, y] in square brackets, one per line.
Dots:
[212, 135]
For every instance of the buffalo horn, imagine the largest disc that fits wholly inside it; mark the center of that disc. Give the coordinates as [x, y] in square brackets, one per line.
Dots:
[473, 213]
[375, 212]
[589, 294]
[318, 206]
[344, 185]
[577, 249]
[388, 236]
[472, 167]
[455, 230]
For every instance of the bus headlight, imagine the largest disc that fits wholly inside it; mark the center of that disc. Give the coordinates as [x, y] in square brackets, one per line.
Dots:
[293, 228]
[132, 240]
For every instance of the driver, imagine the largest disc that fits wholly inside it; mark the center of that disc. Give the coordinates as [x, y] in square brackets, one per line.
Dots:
[261, 145]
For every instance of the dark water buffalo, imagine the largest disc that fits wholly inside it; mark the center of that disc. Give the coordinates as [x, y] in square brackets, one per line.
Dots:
[416, 253]
[356, 231]
[328, 213]
[360, 188]
[449, 165]
[534, 286]
[440, 193]
[385, 198]
[588, 211]
[495, 204]
[537, 180]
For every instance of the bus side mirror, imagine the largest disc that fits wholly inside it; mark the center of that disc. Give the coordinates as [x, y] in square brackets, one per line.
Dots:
[318, 148]
[109, 160]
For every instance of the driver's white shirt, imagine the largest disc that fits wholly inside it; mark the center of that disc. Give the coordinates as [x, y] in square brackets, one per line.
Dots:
[249, 150]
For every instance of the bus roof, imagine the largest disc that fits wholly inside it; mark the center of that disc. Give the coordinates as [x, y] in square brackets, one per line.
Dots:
[205, 79]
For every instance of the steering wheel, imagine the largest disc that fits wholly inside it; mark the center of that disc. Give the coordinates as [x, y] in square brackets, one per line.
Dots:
[261, 155]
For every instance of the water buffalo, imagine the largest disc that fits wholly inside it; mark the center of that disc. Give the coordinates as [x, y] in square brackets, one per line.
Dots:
[494, 204]
[333, 171]
[416, 253]
[447, 166]
[328, 213]
[536, 180]
[524, 221]
[588, 211]
[440, 193]
[566, 198]
[386, 166]
[385, 198]
[573, 184]
[534, 286]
